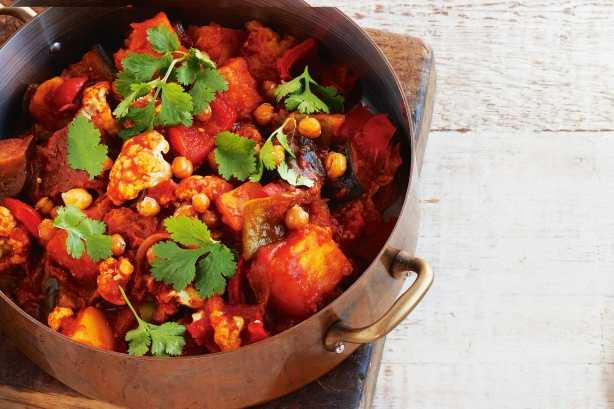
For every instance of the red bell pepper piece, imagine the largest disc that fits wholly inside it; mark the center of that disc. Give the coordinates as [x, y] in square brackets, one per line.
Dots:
[64, 95]
[24, 213]
[192, 142]
[256, 332]
[301, 51]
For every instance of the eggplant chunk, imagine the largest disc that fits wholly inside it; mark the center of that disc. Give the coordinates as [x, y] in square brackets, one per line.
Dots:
[14, 154]
[347, 187]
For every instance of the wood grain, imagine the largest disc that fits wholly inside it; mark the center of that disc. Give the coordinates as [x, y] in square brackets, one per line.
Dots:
[535, 65]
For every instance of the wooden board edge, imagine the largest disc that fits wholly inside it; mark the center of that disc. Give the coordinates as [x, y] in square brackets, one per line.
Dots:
[21, 398]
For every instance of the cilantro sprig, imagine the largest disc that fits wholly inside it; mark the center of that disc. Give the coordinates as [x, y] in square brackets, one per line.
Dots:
[236, 157]
[146, 79]
[162, 340]
[83, 231]
[179, 266]
[84, 150]
[300, 95]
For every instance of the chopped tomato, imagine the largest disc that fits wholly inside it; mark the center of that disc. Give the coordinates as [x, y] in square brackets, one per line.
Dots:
[24, 213]
[242, 91]
[223, 116]
[231, 204]
[64, 96]
[192, 142]
[219, 42]
[299, 52]
[83, 268]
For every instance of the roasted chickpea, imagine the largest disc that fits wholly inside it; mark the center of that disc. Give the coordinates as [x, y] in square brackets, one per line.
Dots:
[118, 244]
[44, 205]
[45, 230]
[185, 210]
[200, 202]
[263, 114]
[296, 217]
[310, 127]
[205, 115]
[182, 167]
[77, 197]
[269, 88]
[148, 207]
[278, 154]
[336, 165]
[210, 218]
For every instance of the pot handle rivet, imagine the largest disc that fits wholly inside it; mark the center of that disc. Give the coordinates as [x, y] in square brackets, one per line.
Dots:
[338, 334]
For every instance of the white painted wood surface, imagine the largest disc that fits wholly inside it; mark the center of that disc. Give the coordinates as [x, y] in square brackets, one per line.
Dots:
[518, 207]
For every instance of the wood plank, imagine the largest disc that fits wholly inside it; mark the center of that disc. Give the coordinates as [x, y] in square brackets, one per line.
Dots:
[518, 228]
[534, 65]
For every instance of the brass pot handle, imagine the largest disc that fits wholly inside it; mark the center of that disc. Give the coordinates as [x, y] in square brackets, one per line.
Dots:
[338, 334]
[24, 14]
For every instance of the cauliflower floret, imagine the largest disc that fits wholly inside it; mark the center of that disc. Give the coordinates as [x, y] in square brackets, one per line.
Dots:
[212, 186]
[140, 165]
[14, 241]
[7, 222]
[227, 329]
[54, 320]
[96, 108]
[114, 273]
[188, 297]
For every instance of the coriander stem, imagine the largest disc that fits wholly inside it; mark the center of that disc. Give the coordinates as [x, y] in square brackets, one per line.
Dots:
[121, 290]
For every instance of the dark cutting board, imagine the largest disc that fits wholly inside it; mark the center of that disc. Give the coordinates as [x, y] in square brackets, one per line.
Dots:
[349, 386]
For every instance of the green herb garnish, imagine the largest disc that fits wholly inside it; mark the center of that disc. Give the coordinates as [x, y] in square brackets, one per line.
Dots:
[300, 95]
[84, 150]
[179, 266]
[83, 232]
[162, 340]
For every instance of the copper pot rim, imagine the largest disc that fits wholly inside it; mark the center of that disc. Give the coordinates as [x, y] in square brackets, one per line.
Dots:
[333, 305]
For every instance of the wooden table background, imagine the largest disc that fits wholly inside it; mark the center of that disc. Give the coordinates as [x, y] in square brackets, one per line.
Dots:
[518, 207]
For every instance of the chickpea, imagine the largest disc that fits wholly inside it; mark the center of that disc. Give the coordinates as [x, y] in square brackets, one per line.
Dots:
[118, 244]
[211, 160]
[107, 164]
[45, 230]
[44, 205]
[200, 202]
[269, 88]
[150, 255]
[296, 217]
[278, 154]
[148, 207]
[263, 114]
[77, 197]
[125, 267]
[210, 218]
[336, 165]
[310, 127]
[182, 167]
[185, 210]
[54, 213]
[205, 115]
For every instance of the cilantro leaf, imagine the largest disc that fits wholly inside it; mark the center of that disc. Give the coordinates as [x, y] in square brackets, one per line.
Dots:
[142, 119]
[176, 105]
[188, 231]
[299, 96]
[164, 340]
[187, 72]
[138, 90]
[167, 339]
[213, 270]
[143, 67]
[266, 155]
[235, 155]
[208, 83]
[85, 152]
[82, 230]
[175, 265]
[162, 39]
[291, 176]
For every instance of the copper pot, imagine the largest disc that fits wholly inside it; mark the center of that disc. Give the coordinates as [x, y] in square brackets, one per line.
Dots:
[259, 372]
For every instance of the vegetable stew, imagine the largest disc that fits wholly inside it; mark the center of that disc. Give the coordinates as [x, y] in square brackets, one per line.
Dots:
[203, 189]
